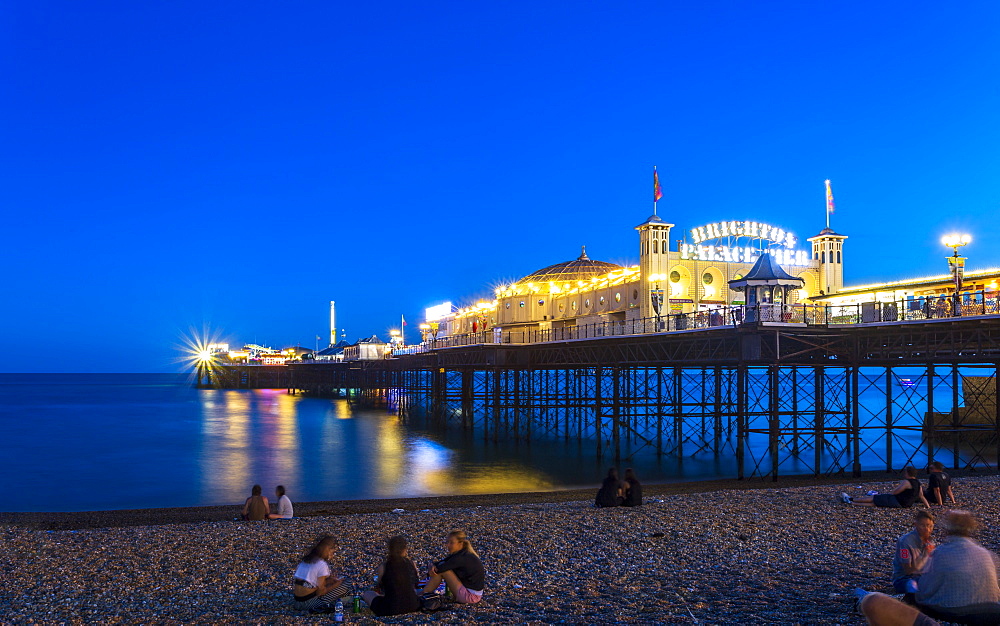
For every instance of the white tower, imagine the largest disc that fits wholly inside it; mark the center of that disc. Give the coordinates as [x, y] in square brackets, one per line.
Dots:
[333, 324]
[654, 263]
[828, 249]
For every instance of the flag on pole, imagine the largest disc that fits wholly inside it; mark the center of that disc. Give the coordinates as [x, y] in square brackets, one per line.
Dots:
[829, 198]
[657, 194]
[402, 319]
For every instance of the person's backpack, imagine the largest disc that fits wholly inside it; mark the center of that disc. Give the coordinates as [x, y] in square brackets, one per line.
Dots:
[431, 602]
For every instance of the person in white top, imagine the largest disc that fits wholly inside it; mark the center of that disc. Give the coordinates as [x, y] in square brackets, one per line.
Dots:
[284, 505]
[316, 588]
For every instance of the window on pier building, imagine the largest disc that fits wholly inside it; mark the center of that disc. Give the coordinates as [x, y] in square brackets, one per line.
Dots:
[838, 256]
[664, 246]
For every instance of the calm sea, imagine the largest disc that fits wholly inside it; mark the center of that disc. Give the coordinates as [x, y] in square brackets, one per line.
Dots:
[77, 442]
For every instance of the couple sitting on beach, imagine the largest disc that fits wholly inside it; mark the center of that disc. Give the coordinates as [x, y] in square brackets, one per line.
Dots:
[257, 508]
[909, 491]
[316, 588]
[614, 492]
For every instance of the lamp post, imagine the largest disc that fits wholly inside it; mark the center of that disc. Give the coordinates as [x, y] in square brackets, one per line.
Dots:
[957, 265]
[656, 296]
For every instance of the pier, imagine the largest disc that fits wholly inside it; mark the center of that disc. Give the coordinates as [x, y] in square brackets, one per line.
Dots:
[780, 397]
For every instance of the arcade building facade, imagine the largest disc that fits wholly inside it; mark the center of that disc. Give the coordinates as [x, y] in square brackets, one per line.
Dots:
[694, 276]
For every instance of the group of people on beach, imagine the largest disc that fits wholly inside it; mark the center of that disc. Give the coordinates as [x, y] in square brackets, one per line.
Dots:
[398, 588]
[955, 582]
[257, 508]
[615, 492]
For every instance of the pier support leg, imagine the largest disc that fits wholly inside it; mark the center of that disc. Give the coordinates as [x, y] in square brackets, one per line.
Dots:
[774, 419]
[856, 420]
[888, 419]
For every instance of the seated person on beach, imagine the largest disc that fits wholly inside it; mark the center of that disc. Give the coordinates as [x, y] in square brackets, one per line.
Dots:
[397, 580]
[902, 497]
[633, 489]
[959, 583]
[284, 505]
[256, 508]
[912, 552]
[461, 570]
[315, 585]
[610, 493]
[938, 485]
[882, 610]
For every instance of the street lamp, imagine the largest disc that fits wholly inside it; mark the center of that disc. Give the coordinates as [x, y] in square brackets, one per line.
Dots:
[956, 264]
[656, 296]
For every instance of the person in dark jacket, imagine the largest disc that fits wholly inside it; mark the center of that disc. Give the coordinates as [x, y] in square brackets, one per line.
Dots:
[633, 489]
[610, 493]
[398, 581]
[461, 570]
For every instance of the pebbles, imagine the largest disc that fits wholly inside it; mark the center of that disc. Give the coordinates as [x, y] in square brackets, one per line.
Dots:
[762, 556]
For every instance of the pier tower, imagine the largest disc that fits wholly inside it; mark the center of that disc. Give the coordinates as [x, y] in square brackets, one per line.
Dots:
[654, 265]
[827, 250]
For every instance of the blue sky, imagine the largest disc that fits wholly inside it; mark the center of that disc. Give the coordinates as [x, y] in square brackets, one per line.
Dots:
[235, 166]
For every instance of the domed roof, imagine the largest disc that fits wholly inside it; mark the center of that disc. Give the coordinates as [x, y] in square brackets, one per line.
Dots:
[583, 268]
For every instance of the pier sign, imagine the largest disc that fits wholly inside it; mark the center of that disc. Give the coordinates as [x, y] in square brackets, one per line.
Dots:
[746, 229]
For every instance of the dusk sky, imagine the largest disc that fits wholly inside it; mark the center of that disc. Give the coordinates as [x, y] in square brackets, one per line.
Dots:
[236, 166]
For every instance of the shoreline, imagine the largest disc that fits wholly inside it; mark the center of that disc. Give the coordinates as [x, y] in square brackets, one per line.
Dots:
[120, 518]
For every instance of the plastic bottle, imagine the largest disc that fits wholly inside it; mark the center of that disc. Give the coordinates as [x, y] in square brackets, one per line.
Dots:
[338, 611]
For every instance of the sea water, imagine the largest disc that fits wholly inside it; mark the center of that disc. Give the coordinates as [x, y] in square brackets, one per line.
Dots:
[78, 442]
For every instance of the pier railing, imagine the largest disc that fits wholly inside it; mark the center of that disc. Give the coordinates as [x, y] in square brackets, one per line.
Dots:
[913, 309]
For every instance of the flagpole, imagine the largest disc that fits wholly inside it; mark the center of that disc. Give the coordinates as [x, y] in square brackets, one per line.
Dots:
[655, 180]
[402, 330]
[829, 202]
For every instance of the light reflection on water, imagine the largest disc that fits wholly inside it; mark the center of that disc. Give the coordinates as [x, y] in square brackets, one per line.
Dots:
[327, 450]
[93, 442]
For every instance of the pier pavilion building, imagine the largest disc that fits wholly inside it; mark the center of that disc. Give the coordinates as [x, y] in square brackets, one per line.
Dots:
[691, 276]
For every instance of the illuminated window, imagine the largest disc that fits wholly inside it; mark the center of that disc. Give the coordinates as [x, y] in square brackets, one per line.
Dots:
[507, 305]
[541, 302]
[675, 276]
[586, 303]
[521, 304]
[601, 300]
[573, 305]
[618, 297]
[707, 278]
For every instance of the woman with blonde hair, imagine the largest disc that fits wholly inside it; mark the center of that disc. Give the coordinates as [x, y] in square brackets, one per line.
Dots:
[461, 570]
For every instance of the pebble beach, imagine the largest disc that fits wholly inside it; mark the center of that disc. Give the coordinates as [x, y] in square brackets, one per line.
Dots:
[786, 555]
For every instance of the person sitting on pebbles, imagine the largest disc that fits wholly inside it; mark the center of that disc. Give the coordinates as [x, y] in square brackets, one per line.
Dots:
[285, 510]
[912, 553]
[610, 493]
[316, 588]
[903, 496]
[256, 507]
[461, 570]
[633, 489]
[938, 485]
[397, 578]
